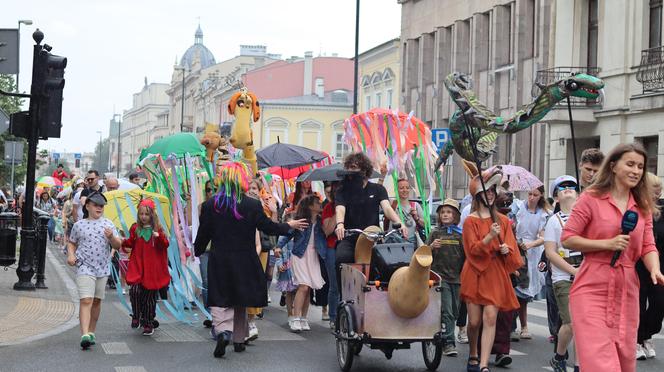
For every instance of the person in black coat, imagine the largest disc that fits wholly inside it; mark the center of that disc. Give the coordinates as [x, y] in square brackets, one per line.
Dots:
[235, 276]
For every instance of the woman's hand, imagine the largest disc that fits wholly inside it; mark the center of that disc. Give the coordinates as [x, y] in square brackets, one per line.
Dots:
[618, 243]
[495, 230]
[340, 231]
[657, 277]
[300, 224]
[504, 249]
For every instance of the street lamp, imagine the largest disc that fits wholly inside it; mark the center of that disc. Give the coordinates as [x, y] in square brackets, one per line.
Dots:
[181, 68]
[117, 148]
[26, 22]
[100, 168]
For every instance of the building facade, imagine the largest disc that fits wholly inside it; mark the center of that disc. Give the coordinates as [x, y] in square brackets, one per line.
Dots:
[142, 124]
[379, 69]
[304, 101]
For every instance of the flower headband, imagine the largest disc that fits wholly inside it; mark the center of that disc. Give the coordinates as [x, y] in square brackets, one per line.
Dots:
[149, 203]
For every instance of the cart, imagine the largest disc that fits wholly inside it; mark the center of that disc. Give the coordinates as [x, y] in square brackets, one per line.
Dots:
[364, 316]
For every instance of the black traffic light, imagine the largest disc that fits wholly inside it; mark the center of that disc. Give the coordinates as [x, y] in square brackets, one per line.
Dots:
[77, 163]
[52, 72]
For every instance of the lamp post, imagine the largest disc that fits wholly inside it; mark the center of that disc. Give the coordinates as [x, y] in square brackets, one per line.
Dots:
[181, 68]
[26, 22]
[117, 166]
[100, 168]
[357, 44]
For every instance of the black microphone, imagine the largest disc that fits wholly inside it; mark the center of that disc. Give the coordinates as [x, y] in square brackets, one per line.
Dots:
[629, 221]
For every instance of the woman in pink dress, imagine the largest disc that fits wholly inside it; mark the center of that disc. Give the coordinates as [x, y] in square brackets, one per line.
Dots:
[604, 300]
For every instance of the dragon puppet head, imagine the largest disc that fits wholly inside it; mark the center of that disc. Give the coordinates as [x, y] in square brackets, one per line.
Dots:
[581, 85]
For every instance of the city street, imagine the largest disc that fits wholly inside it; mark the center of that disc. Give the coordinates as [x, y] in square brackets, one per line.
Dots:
[176, 346]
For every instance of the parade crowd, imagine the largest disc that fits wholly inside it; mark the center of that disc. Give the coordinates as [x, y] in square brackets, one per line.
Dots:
[495, 254]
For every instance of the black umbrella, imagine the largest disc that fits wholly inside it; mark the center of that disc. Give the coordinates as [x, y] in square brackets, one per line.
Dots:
[333, 172]
[287, 156]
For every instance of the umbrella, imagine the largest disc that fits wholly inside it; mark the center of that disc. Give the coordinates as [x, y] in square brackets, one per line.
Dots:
[287, 156]
[334, 172]
[122, 205]
[178, 144]
[48, 181]
[519, 178]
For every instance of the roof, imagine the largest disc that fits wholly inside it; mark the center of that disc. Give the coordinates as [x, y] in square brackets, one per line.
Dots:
[204, 54]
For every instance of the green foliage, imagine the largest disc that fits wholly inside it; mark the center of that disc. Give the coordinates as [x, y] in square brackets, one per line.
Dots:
[11, 105]
[101, 165]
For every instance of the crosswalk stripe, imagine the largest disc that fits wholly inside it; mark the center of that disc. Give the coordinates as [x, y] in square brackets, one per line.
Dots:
[115, 348]
[130, 369]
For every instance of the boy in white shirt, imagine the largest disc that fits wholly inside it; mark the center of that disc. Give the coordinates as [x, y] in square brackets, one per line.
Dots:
[564, 264]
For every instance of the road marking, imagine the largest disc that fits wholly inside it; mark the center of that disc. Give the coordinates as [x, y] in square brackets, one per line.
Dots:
[130, 369]
[113, 348]
[548, 368]
[516, 352]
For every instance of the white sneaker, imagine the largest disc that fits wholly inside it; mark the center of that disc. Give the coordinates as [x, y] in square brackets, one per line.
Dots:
[304, 323]
[462, 336]
[290, 320]
[253, 331]
[295, 325]
[640, 352]
[269, 299]
[649, 348]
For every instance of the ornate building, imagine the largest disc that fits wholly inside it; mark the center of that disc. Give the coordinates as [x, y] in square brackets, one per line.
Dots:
[379, 70]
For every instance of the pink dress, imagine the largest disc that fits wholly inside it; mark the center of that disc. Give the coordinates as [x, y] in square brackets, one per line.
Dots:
[604, 300]
[306, 270]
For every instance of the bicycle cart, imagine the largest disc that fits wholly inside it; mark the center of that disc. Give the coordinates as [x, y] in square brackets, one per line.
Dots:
[365, 317]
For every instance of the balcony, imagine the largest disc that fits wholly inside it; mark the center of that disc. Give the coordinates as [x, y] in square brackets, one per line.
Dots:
[550, 76]
[650, 73]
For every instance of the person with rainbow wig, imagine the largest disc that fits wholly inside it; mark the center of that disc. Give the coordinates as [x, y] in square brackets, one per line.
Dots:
[236, 279]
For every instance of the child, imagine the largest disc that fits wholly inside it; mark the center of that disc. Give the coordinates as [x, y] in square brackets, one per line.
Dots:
[285, 281]
[564, 264]
[305, 264]
[448, 257]
[147, 271]
[88, 249]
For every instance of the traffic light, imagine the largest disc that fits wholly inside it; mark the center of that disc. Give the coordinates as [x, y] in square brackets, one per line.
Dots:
[52, 71]
[77, 163]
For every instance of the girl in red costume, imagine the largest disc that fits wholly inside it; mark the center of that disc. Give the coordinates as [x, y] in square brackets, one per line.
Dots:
[148, 265]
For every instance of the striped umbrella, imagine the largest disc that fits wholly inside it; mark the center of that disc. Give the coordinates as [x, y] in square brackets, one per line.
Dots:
[48, 181]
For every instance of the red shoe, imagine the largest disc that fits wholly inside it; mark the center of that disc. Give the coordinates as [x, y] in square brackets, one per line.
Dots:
[148, 330]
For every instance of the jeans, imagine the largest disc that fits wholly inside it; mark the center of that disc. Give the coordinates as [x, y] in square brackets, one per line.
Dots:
[204, 276]
[51, 228]
[333, 293]
[450, 307]
[345, 252]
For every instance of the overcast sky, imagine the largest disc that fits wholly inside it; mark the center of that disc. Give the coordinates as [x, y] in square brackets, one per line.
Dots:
[111, 45]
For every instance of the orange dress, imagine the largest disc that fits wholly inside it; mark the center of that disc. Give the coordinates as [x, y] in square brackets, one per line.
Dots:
[485, 277]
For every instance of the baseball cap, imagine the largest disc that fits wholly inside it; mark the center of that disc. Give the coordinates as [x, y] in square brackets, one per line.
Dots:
[559, 181]
[78, 181]
[97, 198]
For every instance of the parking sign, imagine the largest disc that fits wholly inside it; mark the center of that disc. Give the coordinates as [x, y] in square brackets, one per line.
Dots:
[440, 136]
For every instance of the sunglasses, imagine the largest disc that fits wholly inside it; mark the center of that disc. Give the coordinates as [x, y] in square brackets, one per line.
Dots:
[90, 179]
[566, 187]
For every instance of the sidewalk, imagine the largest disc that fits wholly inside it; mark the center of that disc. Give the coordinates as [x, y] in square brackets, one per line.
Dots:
[31, 315]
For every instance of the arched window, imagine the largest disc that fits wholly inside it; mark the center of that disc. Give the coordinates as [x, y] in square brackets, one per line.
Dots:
[309, 133]
[339, 146]
[275, 128]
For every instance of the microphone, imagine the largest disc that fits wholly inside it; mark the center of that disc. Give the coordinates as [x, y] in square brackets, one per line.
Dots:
[629, 221]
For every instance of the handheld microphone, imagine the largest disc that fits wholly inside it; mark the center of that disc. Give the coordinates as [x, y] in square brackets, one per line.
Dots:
[629, 221]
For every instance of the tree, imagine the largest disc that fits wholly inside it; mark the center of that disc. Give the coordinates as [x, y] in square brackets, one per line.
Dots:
[101, 165]
[11, 105]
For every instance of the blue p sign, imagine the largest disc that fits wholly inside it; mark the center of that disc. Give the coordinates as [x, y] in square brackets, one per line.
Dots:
[439, 136]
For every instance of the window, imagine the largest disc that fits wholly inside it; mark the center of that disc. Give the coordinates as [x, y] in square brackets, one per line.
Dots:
[655, 34]
[275, 130]
[379, 102]
[389, 98]
[367, 103]
[340, 146]
[309, 134]
[593, 30]
[650, 143]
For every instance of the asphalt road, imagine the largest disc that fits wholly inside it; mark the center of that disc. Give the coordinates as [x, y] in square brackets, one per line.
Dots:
[180, 347]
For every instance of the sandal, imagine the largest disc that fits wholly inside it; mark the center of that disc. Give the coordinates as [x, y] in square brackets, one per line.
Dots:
[473, 367]
[525, 335]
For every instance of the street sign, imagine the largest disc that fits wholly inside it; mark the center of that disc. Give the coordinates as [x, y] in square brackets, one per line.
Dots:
[13, 152]
[8, 51]
[77, 155]
[439, 136]
[56, 156]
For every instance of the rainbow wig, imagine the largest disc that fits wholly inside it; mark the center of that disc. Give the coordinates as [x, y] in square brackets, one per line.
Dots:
[233, 181]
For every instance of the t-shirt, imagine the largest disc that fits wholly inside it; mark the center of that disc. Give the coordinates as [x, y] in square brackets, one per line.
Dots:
[60, 176]
[407, 218]
[329, 212]
[92, 247]
[363, 210]
[552, 232]
[77, 204]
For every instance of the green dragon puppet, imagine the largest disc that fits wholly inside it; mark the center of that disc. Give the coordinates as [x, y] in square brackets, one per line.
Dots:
[486, 126]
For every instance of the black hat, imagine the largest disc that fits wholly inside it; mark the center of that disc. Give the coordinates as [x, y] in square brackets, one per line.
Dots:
[97, 198]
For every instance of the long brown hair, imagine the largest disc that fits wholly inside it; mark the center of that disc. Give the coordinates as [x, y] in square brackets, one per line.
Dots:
[605, 179]
[303, 210]
[154, 219]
